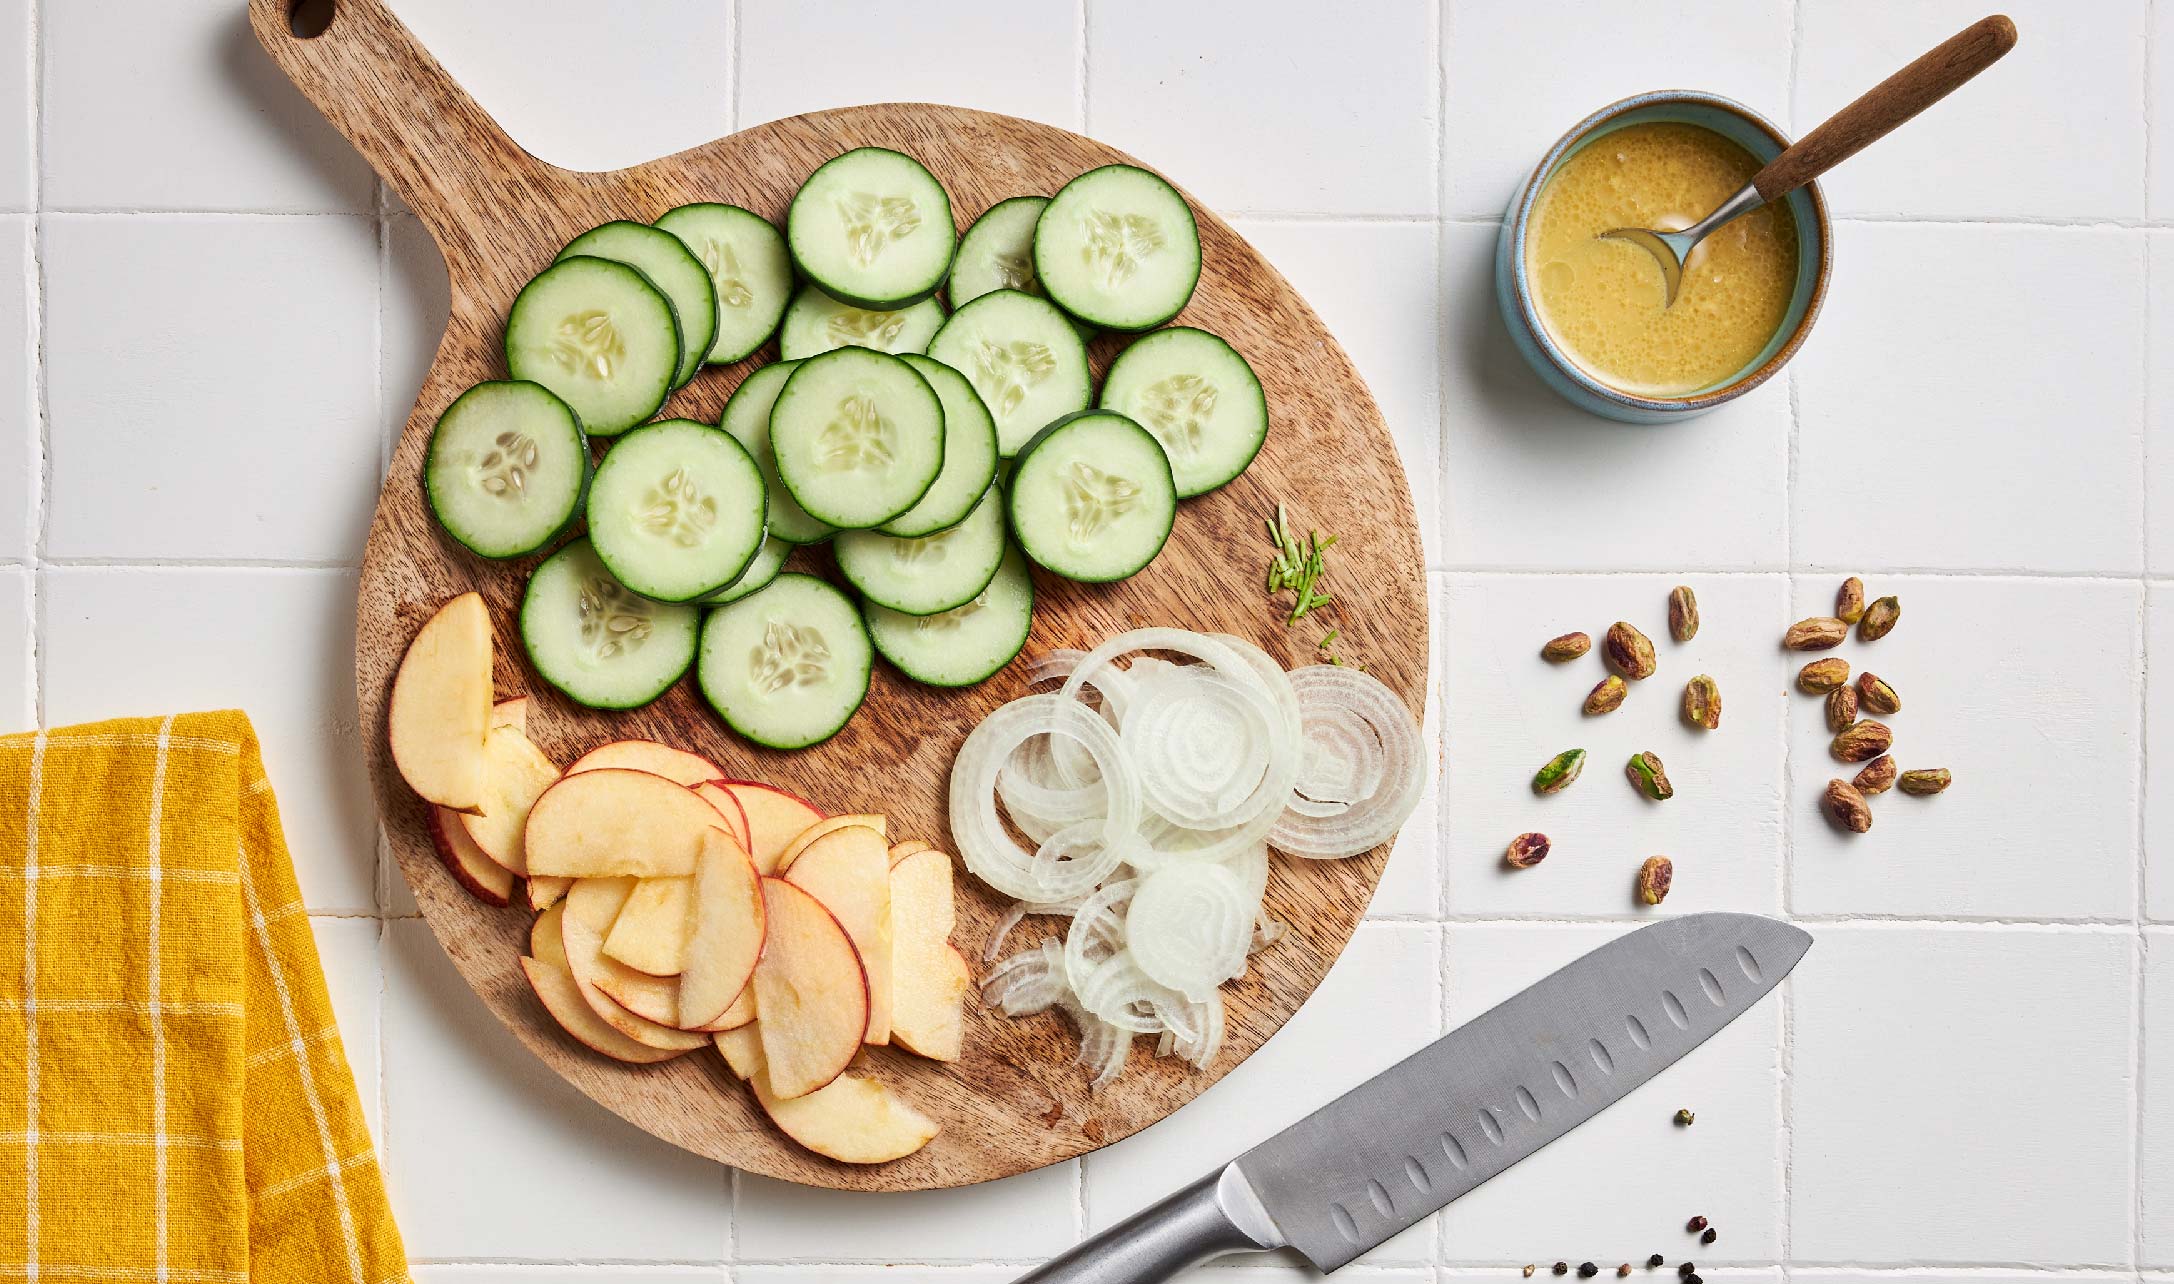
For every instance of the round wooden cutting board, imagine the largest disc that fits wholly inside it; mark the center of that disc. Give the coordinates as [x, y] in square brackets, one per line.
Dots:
[1016, 1101]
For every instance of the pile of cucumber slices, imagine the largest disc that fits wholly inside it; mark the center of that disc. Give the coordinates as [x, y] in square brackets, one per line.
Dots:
[938, 453]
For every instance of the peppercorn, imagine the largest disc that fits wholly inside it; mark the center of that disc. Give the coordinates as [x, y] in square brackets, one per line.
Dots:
[1696, 1224]
[1695, 1279]
[1529, 1269]
[1622, 1270]
[1685, 1118]
[1562, 1268]
[1710, 1236]
[1586, 1270]
[1654, 1261]
[1685, 1270]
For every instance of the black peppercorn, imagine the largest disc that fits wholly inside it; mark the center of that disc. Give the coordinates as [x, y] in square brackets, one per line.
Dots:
[1562, 1268]
[1654, 1261]
[1695, 1279]
[1586, 1270]
[1696, 1224]
[1710, 1236]
[1685, 1270]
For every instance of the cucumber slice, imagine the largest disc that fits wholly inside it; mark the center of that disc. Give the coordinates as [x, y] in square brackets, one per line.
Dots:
[969, 454]
[596, 640]
[1117, 247]
[676, 511]
[963, 646]
[816, 324]
[600, 335]
[749, 270]
[787, 665]
[1092, 498]
[747, 418]
[873, 228]
[508, 463]
[1024, 358]
[857, 437]
[930, 574]
[997, 253]
[672, 268]
[1199, 398]
[769, 560]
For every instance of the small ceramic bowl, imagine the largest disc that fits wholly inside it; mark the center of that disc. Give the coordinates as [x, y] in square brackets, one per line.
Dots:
[1513, 291]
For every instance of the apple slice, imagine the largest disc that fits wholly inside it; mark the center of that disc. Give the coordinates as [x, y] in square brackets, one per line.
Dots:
[650, 934]
[742, 1050]
[847, 869]
[519, 773]
[441, 706]
[810, 990]
[742, 1011]
[590, 906]
[546, 890]
[728, 805]
[546, 936]
[774, 818]
[613, 821]
[675, 765]
[485, 879]
[827, 825]
[900, 851]
[511, 713]
[728, 932]
[562, 999]
[928, 977]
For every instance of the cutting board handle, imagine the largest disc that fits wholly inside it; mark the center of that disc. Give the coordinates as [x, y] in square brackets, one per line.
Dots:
[376, 83]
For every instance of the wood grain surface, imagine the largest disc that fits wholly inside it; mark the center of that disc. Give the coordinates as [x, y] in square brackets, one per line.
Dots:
[1016, 1101]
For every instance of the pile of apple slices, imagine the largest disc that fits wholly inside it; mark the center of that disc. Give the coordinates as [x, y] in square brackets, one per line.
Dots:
[678, 909]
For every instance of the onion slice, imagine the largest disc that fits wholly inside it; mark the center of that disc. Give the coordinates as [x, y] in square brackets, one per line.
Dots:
[1357, 733]
[1188, 927]
[990, 853]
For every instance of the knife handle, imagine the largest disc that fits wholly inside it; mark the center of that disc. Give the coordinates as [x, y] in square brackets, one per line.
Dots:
[1155, 1243]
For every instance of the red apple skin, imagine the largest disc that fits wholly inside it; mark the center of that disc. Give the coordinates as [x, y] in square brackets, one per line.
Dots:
[820, 814]
[585, 762]
[534, 971]
[443, 844]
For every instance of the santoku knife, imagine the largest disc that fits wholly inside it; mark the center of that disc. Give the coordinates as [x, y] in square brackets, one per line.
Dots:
[1475, 1101]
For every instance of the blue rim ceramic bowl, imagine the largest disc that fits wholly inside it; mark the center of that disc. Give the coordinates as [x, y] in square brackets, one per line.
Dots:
[1513, 291]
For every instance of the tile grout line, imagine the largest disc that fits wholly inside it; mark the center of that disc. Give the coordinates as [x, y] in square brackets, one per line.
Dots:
[2139, 949]
[732, 61]
[1085, 25]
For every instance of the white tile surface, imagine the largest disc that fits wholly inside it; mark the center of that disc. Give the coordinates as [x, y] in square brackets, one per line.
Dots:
[1024, 60]
[2159, 165]
[500, 1274]
[173, 105]
[2156, 1138]
[1726, 1166]
[1030, 1216]
[347, 950]
[18, 659]
[1995, 434]
[490, 1155]
[18, 107]
[1282, 109]
[1982, 850]
[2159, 779]
[1959, 160]
[1928, 1113]
[1379, 1003]
[18, 395]
[1514, 711]
[1374, 285]
[2159, 394]
[1516, 84]
[211, 386]
[668, 69]
[1530, 482]
[418, 299]
[277, 643]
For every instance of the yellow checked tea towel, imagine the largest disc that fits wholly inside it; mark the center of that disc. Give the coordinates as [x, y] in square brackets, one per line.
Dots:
[174, 1101]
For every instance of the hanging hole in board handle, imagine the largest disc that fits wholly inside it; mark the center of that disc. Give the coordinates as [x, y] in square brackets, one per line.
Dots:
[309, 19]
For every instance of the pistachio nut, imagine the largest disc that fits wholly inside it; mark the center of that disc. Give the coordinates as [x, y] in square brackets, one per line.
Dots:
[1649, 777]
[1877, 777]
[1654, 878]
[1559, 772]
[1569, 646]
[1527, 850]
[1607, 696]
[1629, 652]
[1841, 708]
[1849, 601]
[1926, 781]
[1846, 807]
[1819, 633]
[1702, 703]
[1876, 695]
[1821, 676]
[1861, 742]
[1879, 619]
[1682, 613]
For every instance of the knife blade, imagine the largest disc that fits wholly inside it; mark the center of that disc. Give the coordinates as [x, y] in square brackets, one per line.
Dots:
[1462, 1109]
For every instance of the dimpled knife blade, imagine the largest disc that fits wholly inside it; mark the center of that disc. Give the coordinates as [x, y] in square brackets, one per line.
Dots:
[1467, 1106]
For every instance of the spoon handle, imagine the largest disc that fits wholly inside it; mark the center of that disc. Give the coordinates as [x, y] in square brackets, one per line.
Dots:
[1894, 100]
